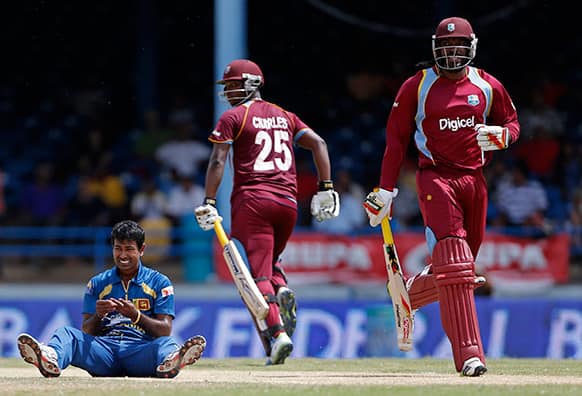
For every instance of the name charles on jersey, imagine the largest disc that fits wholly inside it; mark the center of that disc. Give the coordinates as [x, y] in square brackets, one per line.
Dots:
[270, 122]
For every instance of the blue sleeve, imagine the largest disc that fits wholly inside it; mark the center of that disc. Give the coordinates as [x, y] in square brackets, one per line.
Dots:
[164, 303]
[90, 298]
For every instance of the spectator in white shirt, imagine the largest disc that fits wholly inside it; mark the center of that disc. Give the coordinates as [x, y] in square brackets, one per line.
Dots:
[182, 198]
[183, 153]
[520, 199]
[149, 202]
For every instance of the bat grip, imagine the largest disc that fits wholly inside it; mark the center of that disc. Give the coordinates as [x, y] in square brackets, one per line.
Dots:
[387, 231]
[220, 234]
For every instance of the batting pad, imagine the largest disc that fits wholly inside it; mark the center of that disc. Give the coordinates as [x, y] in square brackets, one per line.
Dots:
[454, 271]
[422, 290]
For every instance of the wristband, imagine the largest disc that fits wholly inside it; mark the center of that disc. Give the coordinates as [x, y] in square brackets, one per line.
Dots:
[210, 201]
[138, 317]
[325, 185]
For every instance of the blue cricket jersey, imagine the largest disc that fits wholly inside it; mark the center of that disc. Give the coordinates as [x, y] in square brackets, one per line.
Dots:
[150, 291]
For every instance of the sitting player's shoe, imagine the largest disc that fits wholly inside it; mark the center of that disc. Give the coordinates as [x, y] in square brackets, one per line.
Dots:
[288, 309]
[473, 367]
[42, 356]
[281, 348]
[190, 352]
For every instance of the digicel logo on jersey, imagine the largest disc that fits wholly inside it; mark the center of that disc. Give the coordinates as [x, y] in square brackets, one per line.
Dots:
[456, 124]
[270, 122]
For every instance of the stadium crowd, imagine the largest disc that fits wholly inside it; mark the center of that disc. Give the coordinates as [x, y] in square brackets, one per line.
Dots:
[76, 152]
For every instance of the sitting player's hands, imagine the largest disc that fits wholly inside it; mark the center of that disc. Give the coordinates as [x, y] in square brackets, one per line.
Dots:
[492, 137]
[325, 205]
[103, 307]
[378, 204]
[207, 215]
[124, 307]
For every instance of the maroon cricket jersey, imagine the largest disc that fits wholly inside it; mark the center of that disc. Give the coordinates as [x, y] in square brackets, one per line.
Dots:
[442, 114]
[262, 136]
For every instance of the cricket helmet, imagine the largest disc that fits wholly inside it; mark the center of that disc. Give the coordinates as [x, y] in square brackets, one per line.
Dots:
[241, 70]
[449, 56]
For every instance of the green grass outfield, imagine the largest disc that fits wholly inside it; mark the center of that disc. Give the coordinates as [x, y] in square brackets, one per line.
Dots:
[359, 377]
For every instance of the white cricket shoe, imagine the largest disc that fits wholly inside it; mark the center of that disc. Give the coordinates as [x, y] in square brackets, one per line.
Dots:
[473, 367]
[42, 356]
[288, 309]
[281, 348]
[190, 352]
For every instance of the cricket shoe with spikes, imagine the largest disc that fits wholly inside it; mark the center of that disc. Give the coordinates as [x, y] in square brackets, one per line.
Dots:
[288, 309]
[281, 349]
[42, 356]
[189, 354]
[473, 367]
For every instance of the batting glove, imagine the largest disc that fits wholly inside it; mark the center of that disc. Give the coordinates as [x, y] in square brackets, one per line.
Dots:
[378, 204]
[325, 204]
[492, 137]
[207, 215]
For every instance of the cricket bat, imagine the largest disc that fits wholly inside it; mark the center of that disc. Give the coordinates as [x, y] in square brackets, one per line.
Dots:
[243, 280]
[397, 290]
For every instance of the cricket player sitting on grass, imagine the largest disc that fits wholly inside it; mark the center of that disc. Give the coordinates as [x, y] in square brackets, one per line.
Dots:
[127, 321]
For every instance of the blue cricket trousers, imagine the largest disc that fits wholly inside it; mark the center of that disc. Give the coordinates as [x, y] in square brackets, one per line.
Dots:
[112, 355]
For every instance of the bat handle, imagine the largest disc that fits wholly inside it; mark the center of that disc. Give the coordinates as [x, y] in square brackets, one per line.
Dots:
[220, 234]
[387, 231]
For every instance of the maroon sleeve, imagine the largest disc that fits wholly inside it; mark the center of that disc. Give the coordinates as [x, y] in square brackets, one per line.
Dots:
[503, 112]
[226, 127]
[298, 125]
[399, 129]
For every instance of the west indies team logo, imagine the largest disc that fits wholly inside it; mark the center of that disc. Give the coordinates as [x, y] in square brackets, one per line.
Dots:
[473, 100]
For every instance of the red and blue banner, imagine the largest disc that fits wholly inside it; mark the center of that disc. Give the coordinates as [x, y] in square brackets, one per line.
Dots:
[507, 261]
